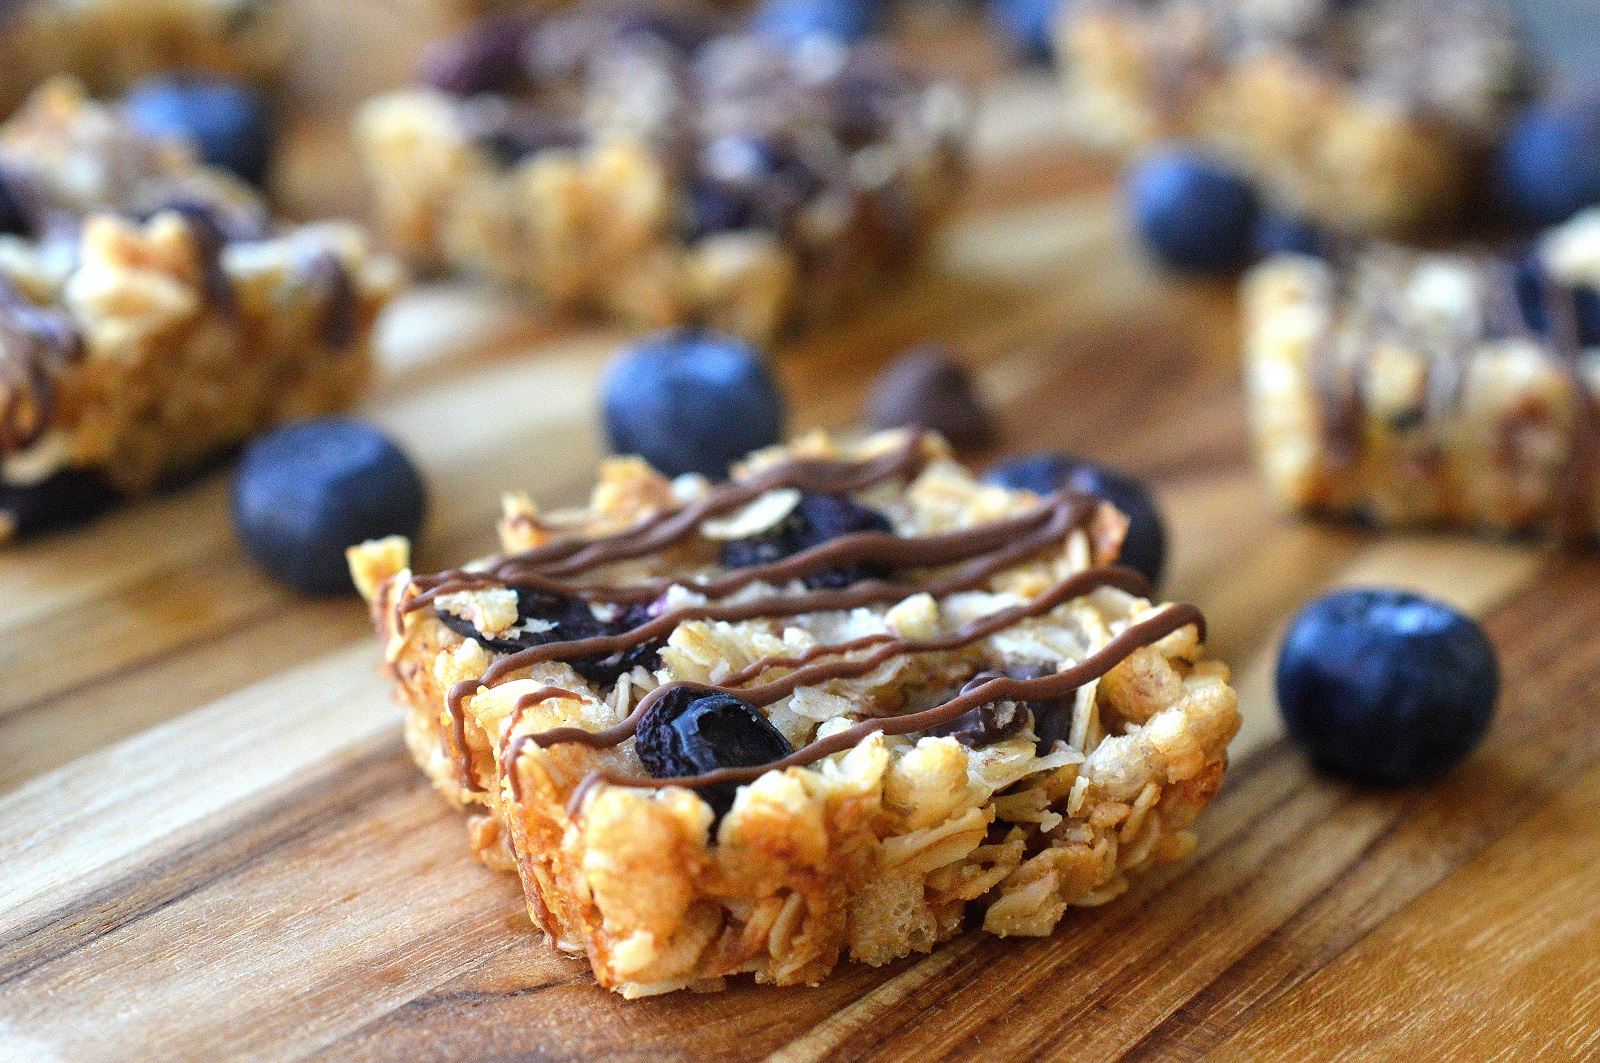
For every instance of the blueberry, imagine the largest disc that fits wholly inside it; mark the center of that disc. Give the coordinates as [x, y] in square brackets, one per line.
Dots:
[814, 521]
[486, 57]
[1145, 548]
[689, 401]
[1533, 294]
[1386, 687]
[1549, 164]
[692, 732]
[1026, 26]
[227, 121]
[1193, 214]
[567, 620]
[13, 219]
[792, 22]
[62, 500]
[1284, 234]
[307, 491]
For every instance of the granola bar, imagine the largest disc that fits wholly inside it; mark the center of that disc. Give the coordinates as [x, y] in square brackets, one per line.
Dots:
[151, 315]
[644, 164]
[1371, 116]
[1408, 388]
[965, 704]
[109, 44]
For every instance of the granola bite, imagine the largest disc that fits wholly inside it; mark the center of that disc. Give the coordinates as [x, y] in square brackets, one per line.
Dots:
[109, 44]
[1371, 116]
[151, 313]
[647, 164]
[825, 710]
[1412, 389]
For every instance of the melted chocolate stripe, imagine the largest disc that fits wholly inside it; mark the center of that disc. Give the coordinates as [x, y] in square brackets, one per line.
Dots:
[1140, 635]
[765, 694]
[508, 758]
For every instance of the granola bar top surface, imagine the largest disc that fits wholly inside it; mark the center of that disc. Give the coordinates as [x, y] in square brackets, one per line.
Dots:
[151, 310]
[1456, 61]
[1426, 388]
[978, 627]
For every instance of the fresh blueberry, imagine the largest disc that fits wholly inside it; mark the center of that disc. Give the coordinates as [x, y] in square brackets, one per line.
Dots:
[1549, 166]
[792, 22]
[1026, 26]
[1534, 293]
[1193, 214]
[689, 401]
[60, 501]
[1145, 548]
[814, 521]
[566, 620]
[227, 121]
[1284, 234]
[1385, 686]
[692, 732]
[307, 491]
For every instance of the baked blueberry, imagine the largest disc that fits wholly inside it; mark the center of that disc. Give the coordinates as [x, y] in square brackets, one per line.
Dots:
[815, 519]
[1385, 686]
[65, 499]
[545, 618]
[1549, 165]
[307, 491]
[1145, 548]
[1285, 234]
[691, 401]
[1026, 26]
[227, 121]
[1194, 214]
[792, 22]
[484, 58]
[693, 732]
[1534, 295]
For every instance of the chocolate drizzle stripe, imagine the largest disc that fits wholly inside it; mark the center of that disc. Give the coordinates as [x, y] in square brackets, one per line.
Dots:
[1145, 633]
[766, 664]
[508, 758]
[1066, 512]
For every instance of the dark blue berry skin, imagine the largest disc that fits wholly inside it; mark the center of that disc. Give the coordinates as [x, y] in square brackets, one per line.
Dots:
[13, 220]
[814, 521]
[692, 732]
[307, 491]
[1193, 214]
[1026, 26]
[61, 501]
[227, 121]
[691, 402]
[1145, 548]
[1532, 296]
[1549, 164]
[1281, 234]
[790, 22]
[1386, 687]
[573, 620]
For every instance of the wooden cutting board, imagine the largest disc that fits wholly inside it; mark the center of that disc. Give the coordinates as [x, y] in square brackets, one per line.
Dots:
[214, 845]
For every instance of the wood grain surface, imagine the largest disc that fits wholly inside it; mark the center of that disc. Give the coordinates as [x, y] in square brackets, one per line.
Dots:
[215, 846]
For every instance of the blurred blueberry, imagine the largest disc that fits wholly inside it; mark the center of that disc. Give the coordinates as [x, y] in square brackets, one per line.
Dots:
[307, 491]
[1284, 234]
[1386, 687]
[1549, 165]
[13, 219]
[1026, 26]
[791, 22]
[1192, 213]
[1532, 296]
[227, 121]
[691, 401]
[1145, 548]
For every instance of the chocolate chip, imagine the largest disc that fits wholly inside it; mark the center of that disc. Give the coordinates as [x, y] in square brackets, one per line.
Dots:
[928, 388]
[485, 58]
